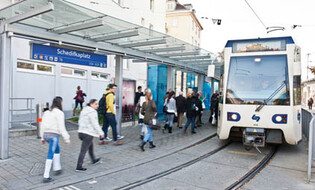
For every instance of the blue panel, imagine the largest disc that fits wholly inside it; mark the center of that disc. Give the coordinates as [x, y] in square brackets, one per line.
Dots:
[157, 82]
[62, 55]
[189, 80]
[207, 94]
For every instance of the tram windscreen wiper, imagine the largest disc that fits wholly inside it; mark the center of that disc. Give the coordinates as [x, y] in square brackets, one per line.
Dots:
[270, 97]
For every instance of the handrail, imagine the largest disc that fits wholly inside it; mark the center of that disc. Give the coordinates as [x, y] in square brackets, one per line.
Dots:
[28, 108]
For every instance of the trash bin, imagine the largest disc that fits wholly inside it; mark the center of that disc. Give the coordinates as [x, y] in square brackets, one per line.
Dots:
[40, 109]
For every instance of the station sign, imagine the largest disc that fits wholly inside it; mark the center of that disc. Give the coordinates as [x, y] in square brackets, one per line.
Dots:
[62, 55]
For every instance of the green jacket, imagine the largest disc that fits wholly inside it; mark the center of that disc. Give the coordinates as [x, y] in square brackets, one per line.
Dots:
[148, 110]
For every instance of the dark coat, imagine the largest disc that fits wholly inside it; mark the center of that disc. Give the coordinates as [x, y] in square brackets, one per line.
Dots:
[190, 112]
[148, 110]
[180, 104]
[214, 101]
[137, 97]
[199, 105]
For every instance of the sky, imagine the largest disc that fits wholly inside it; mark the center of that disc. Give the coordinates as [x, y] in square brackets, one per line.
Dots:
[239, 22]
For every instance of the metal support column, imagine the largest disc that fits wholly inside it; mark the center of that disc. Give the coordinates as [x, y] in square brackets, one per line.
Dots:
[169, 77]
[119, 91]
[4, 95]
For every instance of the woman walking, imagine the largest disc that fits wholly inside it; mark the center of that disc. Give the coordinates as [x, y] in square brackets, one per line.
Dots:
[79, 99]
[149, 111]
[200, 110]
[53, 125]
[88, 128]
[191, 110]
[171, 112]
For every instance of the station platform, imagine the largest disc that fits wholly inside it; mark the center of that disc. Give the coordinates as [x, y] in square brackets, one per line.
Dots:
[24, 168]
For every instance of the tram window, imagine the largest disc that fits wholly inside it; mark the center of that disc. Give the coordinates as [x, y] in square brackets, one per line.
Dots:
[66, 71]
[297, 90]
[94, 75]
[250, 82]
[79, 73]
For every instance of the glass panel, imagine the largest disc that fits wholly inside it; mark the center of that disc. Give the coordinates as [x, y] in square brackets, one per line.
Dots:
[251, 82]
[297, 90]
[28, 66]
[44, 68]
[66, 71]
[79, 73]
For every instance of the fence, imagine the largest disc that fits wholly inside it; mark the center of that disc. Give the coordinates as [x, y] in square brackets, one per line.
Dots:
[28, 102]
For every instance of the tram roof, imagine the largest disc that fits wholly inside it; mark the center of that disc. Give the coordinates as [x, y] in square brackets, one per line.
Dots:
[66, 22]
[288, 40]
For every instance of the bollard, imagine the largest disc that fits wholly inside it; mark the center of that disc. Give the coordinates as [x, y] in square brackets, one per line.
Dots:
[40, 109]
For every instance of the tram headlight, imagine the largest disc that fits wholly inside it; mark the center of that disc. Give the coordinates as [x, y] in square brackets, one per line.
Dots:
[233, 116]
[280, 118]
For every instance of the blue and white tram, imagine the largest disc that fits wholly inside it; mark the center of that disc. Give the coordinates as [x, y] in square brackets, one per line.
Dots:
[261, 99]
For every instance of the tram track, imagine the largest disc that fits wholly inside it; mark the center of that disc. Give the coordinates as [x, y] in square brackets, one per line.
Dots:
[254, 171]
[155, 159]
[172, 170]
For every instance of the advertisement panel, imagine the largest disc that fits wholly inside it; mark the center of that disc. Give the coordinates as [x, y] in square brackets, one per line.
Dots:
[129, 90]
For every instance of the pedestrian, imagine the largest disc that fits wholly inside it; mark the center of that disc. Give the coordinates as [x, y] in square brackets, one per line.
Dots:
[88, 128]
[53, 125]
[141, 117]
[171, 112]
[181, 108]
[200, 110]
[310, 103]
[138, 95]
[202, 99]
[79, 99]
[107, 109]
[191, 110]
[214, 106]
[149, 111]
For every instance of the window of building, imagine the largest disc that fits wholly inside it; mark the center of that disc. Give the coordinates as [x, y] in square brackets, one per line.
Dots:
[35, 67]
[125, 64]
[100, 76]
[71, 72]
[152, 5]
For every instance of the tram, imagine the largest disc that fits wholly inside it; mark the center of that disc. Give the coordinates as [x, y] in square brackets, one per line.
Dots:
[261, 92]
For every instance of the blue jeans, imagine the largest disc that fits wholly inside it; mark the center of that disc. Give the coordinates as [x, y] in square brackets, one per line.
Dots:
[192, 121]
[53, 147]
[170, 119]
[110, 119]
[148, 135]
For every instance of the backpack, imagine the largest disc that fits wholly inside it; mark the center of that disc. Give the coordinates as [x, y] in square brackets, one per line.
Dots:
[102, 108]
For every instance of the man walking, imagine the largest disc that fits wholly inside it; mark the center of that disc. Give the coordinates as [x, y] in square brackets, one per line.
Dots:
[180, 104]
[107, 106]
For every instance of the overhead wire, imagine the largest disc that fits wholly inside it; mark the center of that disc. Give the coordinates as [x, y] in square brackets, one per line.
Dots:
[256, 14]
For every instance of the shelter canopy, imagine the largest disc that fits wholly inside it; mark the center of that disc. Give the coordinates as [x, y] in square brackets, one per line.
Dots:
[63, 18]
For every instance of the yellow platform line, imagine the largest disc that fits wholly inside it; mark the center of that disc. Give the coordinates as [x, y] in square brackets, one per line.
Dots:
[242, 153]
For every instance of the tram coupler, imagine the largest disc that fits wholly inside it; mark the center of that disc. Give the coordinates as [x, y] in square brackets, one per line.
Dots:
[254, 137]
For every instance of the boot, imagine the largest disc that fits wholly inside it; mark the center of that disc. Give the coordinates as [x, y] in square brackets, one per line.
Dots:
[165, 126]
[170, 129]
[142, 146]
[57, 164]
[152, 145]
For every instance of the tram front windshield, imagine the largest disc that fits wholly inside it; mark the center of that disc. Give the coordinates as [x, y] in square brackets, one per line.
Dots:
[258, 80]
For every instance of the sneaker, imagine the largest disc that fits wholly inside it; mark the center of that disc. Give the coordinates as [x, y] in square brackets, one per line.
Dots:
[96, 161]
[117, 143]
[47, 180]
[120, 137]
[102, 142]
[80, 169]
[107, 139]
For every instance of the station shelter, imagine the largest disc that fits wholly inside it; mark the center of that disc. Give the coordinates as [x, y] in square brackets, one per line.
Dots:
[48, 47]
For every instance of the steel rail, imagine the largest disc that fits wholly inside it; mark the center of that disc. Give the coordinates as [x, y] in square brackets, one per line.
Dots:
[255, 170]
[172, 170]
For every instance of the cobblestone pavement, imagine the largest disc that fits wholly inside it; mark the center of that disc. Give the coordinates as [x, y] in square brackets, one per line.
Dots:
[25, 167]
